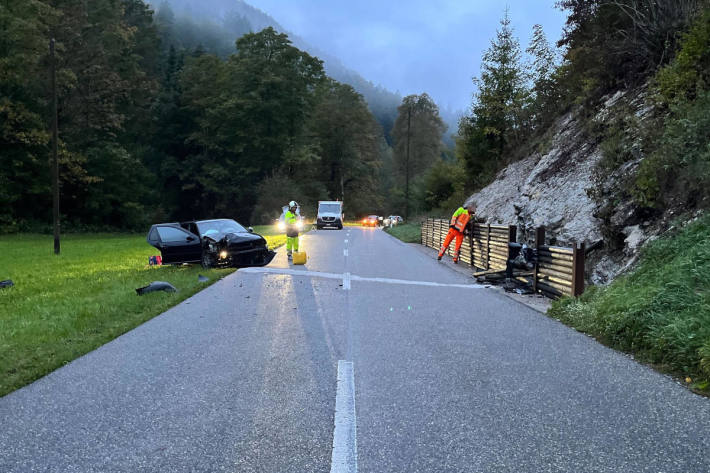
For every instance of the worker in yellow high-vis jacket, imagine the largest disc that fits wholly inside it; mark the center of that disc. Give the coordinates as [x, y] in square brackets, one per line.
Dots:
[291, 219]
[457, 226]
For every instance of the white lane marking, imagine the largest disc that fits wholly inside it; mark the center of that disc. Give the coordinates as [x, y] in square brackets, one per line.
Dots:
[345, 252]
[344, 458]
[317, 274]
[346, 281]
[415, 283]
[346, 242]
[292, 272]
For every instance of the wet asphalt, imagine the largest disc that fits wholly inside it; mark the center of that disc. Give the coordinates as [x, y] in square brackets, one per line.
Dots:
[242, 378]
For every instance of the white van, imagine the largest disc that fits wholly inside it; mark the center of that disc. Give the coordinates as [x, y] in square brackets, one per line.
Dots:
[330, 214]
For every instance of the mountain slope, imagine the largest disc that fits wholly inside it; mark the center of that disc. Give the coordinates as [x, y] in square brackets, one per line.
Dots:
[225, 14]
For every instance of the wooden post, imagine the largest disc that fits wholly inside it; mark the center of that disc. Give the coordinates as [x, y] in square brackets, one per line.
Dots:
[539, 241]
[55, 159]
[488, 247]
[512, 236]
[470, 246]
[512, 233]
[432, 244]
[431, 235]
[406, 188]
[578, 270]
[477, 243]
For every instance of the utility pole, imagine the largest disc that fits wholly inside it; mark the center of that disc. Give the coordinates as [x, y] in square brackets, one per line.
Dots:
[342, 186]
[55, 159]
[406, 171]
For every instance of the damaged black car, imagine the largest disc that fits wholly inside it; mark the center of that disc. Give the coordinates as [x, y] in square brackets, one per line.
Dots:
[212, 243]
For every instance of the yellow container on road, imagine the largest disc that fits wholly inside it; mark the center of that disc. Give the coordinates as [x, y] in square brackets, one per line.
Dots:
[299, 257]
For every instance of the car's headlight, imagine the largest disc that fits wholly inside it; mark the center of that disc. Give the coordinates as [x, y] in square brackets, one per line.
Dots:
[299, 225]
[281, 226]
[223, 255]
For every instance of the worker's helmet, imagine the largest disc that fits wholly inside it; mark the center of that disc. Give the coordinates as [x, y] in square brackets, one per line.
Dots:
[292, 204]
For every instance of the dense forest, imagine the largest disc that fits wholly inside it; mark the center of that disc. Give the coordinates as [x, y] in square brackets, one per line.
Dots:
[156, 122]
[165, 115]
[159, 119]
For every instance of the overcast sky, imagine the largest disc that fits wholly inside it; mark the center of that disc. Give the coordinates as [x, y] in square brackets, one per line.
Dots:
[415, 46]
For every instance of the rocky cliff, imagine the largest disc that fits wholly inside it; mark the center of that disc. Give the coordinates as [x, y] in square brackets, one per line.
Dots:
[564, 190]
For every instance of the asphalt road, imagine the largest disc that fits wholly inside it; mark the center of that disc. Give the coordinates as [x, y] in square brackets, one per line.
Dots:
[372, 357]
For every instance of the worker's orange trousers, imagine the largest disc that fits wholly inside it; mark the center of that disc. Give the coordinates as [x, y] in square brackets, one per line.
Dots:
[453, 233]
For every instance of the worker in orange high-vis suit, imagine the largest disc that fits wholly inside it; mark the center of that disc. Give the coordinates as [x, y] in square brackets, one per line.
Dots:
[457, 226]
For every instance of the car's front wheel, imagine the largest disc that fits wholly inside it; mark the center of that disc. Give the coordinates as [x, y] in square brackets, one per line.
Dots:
[207, 260]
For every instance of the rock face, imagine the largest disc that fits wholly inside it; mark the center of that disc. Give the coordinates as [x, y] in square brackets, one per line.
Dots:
[553, 190]
[549, 190]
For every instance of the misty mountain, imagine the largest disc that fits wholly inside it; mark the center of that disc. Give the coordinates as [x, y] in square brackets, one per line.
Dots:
[221, 22]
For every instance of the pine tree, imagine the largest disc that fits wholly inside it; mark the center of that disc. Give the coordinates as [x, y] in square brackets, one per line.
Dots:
[502, 90]
[545, 95]
[498, 120]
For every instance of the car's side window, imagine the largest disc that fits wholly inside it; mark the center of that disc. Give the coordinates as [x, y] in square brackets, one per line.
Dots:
[171, 235]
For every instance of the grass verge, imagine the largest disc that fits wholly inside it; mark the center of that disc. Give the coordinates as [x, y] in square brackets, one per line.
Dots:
[274, 237]
[62, 307]
[407, 232]
[661, 311]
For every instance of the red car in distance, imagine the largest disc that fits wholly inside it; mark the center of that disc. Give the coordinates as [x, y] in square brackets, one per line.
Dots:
[370, 221]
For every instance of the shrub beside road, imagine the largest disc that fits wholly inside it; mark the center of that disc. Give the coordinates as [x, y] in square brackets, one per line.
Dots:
[62, 307]
[661, 311]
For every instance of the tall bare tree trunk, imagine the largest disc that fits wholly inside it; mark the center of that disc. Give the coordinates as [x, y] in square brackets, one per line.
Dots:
[406, 185]
[55, 158]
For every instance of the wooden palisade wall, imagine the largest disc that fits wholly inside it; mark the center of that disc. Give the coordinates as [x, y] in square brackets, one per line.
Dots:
[559, 271]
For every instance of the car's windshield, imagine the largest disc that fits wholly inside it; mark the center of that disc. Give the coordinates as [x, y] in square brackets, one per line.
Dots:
[373, 217]
[329, 208]
[224, 226]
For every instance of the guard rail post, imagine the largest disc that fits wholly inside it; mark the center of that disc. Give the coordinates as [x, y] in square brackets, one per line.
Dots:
[512, 233]
[578, 270]
[539, 241]
[488, 247]
[470, 245]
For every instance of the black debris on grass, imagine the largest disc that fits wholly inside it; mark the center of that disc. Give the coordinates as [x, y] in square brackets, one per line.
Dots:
[156, 286]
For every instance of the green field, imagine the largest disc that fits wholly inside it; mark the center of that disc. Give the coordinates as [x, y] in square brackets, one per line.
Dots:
[65, 306]
[407, 232]
[272, 235]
